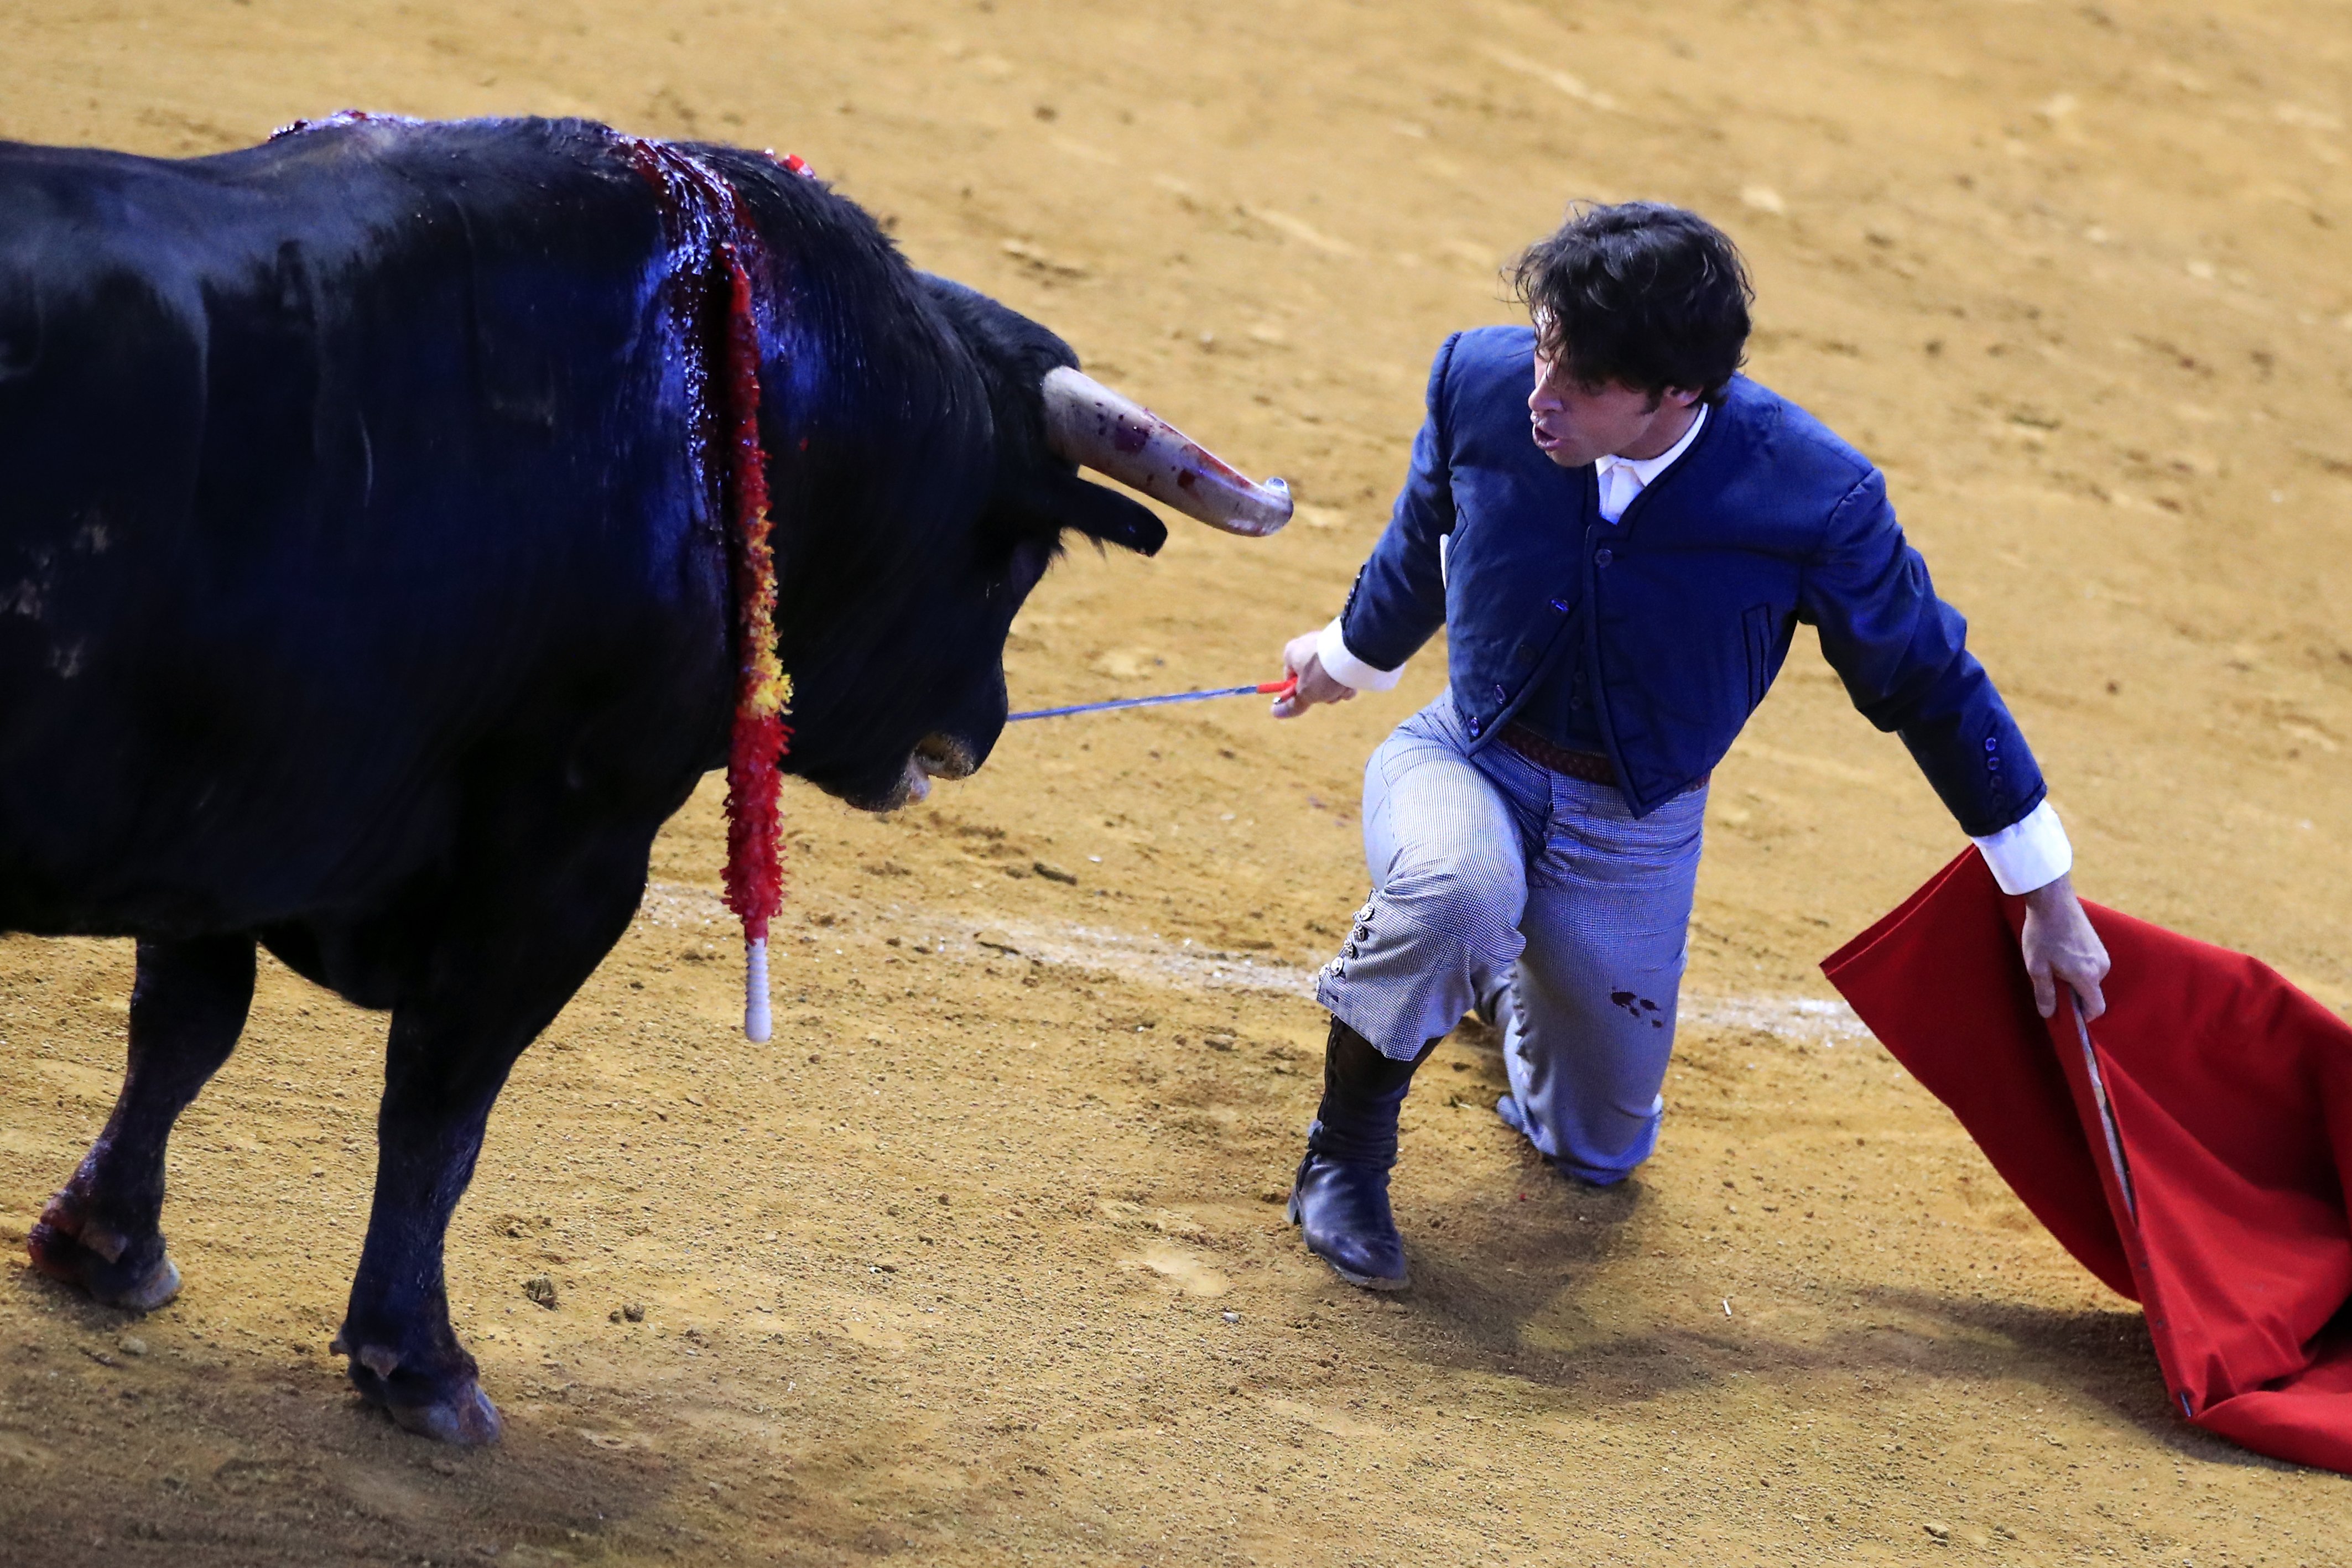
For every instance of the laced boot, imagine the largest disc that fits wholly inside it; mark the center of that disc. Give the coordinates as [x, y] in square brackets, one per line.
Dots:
[1339, 1200]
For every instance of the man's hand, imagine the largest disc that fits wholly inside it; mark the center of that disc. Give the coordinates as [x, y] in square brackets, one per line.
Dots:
[1314, 686]
[2061, 948]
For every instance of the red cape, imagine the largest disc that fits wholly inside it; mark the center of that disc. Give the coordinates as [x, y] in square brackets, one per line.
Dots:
[2227, 1095]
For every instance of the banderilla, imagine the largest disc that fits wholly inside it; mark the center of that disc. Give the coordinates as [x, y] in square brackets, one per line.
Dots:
[1281, 688]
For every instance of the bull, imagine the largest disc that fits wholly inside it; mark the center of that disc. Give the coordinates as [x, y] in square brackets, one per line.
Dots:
[363, 598]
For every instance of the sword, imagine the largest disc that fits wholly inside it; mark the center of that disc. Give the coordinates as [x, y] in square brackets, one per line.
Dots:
[2107, 1113]
[1281, 688]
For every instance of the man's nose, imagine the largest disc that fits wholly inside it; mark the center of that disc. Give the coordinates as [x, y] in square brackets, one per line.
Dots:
[1542, 399]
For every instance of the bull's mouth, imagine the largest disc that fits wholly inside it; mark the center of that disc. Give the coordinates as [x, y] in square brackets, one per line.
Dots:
[934, 756]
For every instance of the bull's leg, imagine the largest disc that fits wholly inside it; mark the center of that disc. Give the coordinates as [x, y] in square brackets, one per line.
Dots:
[103, 1232]
[499, 977]
[441, 1080]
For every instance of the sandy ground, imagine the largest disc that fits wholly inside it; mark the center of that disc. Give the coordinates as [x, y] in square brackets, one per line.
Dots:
[981, 1260]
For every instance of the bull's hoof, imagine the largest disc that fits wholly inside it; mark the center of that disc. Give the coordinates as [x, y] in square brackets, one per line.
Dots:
[451, 1409]
[466, 1419]
[114, 1272]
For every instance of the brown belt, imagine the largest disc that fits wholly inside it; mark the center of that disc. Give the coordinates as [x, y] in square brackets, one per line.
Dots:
[1585, 765]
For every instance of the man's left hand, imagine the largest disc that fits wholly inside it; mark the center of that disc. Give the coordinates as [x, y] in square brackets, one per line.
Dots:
[2061, 947]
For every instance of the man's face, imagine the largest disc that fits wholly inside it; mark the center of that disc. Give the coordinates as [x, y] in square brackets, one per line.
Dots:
[1574, 423]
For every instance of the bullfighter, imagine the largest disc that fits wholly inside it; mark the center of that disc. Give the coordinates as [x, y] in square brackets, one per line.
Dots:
[1619, 533]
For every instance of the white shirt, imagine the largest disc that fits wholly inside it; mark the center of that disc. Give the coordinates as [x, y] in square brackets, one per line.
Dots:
[1622, 478]
[2028, 853]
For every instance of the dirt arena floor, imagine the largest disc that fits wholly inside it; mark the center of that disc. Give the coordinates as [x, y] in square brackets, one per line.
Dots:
[982, 1260]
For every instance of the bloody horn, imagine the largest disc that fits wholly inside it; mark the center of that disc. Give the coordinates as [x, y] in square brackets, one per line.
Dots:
[1096, 428]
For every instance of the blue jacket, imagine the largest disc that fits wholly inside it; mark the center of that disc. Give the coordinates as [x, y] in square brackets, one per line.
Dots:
[1686, 605]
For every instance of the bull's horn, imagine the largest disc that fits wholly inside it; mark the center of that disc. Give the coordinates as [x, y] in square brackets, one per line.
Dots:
[1096, 428]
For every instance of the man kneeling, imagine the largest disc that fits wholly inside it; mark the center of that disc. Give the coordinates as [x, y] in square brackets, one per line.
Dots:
[1620, 558]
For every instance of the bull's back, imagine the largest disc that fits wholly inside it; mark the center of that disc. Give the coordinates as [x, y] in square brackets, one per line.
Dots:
[333, 473]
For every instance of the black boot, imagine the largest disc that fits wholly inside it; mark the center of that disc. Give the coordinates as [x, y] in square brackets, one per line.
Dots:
[1339, 1200]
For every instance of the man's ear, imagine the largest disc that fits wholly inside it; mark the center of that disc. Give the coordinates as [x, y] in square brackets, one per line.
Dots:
[1100, 513]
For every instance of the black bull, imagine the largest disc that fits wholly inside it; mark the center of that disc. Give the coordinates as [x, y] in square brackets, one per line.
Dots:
[358, 599]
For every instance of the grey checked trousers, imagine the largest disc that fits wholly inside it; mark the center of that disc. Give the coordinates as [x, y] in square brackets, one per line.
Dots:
[1498, 882]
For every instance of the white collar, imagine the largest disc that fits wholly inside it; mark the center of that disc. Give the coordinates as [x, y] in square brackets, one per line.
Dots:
[1645, 469]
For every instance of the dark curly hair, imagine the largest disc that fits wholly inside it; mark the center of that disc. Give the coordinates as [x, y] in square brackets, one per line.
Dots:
[1643, 294]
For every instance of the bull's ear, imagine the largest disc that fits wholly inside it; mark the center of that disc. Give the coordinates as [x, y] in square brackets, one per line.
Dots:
[1102, 514]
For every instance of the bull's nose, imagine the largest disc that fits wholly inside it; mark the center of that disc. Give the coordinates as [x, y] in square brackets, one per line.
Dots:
[944, 757]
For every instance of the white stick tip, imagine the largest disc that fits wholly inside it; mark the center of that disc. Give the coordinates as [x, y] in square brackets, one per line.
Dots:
[758, 1025]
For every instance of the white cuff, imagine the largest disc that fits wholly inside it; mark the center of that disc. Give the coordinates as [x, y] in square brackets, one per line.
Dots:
[1346, 668]
[2031, 853]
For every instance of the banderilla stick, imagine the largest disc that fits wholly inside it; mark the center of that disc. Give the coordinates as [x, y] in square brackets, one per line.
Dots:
[1281, 688]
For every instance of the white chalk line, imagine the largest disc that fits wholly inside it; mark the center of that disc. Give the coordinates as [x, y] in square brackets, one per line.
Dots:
[1186, 964]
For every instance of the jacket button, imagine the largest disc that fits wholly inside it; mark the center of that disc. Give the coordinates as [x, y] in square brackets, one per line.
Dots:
[1475, 728]
[1501, 695]
[1602, 557]
[1560, 605]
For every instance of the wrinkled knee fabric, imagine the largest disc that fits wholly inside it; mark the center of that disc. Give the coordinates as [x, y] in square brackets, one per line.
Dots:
[1501, 887]
[1449, 881]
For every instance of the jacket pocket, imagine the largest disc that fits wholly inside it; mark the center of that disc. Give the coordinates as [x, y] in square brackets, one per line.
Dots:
[1758, 628]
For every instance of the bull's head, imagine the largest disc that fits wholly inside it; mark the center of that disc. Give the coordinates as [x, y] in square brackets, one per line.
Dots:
[915, 690]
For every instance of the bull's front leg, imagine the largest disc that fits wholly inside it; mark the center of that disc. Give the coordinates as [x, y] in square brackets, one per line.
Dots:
[440, 1083]
[532, 928]
[104, 1230]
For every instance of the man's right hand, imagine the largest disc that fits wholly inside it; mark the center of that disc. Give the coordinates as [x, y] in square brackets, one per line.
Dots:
[1315, 684]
